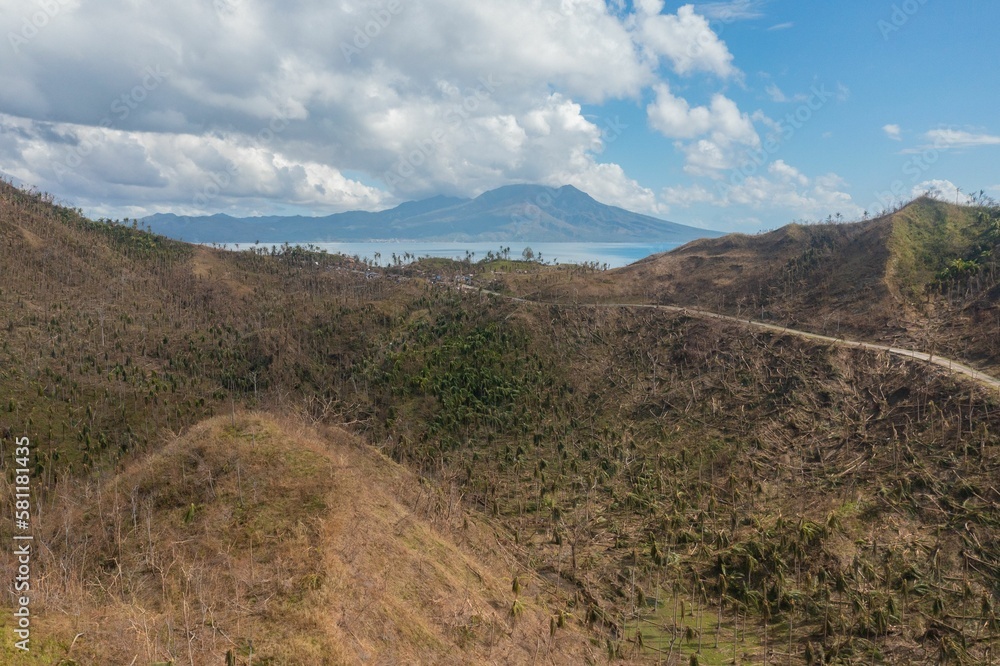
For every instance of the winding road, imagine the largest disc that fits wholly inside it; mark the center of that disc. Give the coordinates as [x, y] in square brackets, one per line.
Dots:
[952, 366]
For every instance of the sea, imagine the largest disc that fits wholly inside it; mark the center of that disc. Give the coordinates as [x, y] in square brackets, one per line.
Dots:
[614, 255]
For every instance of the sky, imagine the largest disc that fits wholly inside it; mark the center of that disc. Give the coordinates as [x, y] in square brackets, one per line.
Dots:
[738, 115]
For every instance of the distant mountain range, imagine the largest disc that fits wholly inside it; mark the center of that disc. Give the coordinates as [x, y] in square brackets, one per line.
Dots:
[511, 213]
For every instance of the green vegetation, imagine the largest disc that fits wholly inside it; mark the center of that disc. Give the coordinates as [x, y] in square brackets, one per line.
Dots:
[925, 237]
[680, 489]
[980, 260]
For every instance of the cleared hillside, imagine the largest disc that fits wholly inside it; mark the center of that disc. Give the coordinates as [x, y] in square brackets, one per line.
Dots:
[926, 276]
[679, 486]
[279, 544]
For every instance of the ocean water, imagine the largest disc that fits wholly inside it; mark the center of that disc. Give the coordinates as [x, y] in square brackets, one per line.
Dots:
[613, 254]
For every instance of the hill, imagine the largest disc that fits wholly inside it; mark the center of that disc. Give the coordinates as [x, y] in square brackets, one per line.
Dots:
[508, 214]
[925, 276]
[280, 544]
[665, 486]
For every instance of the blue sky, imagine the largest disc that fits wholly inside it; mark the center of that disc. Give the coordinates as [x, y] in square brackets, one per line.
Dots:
[896, 71]
[738, 115]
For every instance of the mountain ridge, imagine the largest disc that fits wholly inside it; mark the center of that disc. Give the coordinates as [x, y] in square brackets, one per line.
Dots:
[927, 270]
[627, 479]
[509, 213]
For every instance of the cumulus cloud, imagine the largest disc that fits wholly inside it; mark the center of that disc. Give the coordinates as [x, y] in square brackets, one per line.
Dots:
[721, 133]
[732, 10]
[684, 38]
[143, 171]
[787, 172]
[783, 188]
[894, 132]
[805, 198]
[949, 138]
[457, 96]
[688, 196]
[266, 107]
[943, 190]
[777, 95]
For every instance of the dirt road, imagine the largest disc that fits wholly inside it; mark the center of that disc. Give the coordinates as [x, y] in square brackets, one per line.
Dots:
[953, 366]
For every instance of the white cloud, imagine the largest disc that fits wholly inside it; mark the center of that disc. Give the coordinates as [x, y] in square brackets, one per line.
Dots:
[721, 132]
[609, 184]
[687, 196]
[722, 119]
[781, 26]
[774, 92]
[426, 149]
[894, 132]
[787, 172]
[461, 96]
[319, 106]
[147, 171]
[784, 189]
[706, 158]
[805, 198]
[684, 38]
[732, 10]
[944, 190]
[948, 138]
[777, 95]
[674, 118]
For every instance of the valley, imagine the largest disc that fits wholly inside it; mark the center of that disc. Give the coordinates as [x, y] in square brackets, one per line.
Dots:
[775, 449]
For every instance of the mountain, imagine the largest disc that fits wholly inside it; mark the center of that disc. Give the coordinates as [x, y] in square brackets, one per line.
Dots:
[522, 484]
[928, 271]
[508, 214]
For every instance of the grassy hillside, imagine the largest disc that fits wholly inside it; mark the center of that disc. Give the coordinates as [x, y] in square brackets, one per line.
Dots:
[926, 237]
[279, 544]
[668, 487]
[924, 276]
[112, 335]
[691, 462]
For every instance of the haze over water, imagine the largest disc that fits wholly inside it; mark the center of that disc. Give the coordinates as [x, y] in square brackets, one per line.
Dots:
[614, 255]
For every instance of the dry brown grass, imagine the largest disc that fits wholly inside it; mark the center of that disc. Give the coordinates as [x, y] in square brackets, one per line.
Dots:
[206, 264]
[872, 280]
[308, 546]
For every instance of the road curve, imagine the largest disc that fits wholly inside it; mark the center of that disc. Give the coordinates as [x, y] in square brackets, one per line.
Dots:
[951, 365]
